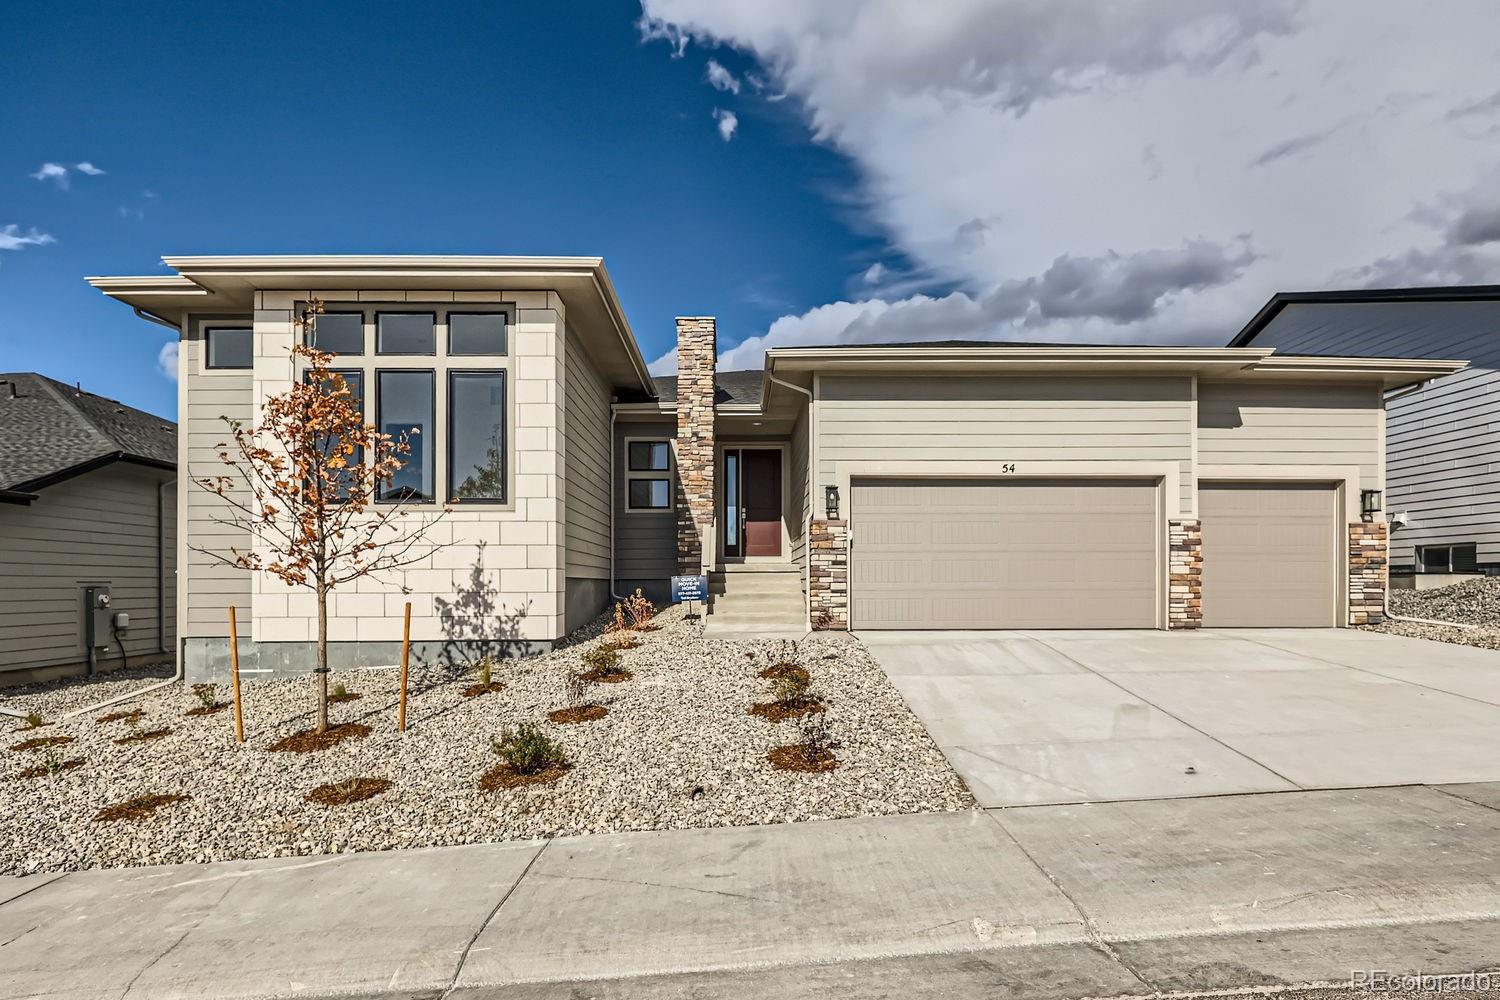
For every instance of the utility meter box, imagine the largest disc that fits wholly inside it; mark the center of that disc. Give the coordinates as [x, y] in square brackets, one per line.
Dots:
[96, 618]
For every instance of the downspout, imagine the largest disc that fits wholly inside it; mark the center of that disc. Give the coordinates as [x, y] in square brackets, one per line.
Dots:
[811, 501]
[612, 449]
[161, 563]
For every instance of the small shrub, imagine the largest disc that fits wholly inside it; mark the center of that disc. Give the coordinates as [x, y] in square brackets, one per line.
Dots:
[483, 672]
[207, 695]
[339, 691]
[34, 720]
[342, 694]
[527, 750]
[576, 688]
[634, 613]
[787, 688]
[604, 666]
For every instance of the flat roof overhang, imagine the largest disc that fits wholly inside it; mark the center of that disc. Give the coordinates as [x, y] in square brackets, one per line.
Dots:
[228, 285]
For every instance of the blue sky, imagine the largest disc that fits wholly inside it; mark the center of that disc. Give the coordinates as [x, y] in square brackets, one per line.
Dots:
[539, 129]
[1003, 169]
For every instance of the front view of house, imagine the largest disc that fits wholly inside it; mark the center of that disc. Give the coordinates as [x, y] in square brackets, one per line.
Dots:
[940, 485]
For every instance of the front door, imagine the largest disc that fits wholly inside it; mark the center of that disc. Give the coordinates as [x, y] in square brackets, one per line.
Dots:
[752, 502]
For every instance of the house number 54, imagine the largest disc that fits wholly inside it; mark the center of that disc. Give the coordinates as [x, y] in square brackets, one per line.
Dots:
[1007, 466]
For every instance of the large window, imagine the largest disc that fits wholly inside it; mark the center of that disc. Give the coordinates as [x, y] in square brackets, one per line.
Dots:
[230, 347]
[405, 333]
[476, 436]
[476, 333]
[1460, 558]
[405, 404]
[648, 474]
[354, 379]
[339, 333]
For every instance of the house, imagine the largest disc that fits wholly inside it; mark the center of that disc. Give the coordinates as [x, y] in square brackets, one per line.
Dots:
[895, 486]
[88, 531]
[1443, 483]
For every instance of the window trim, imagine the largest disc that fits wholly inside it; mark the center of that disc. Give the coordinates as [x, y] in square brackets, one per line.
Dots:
[429, 313]
[669, 474]
[364, 337]
[209, 329]
[431, 374]
[504, 374]
[478, 309]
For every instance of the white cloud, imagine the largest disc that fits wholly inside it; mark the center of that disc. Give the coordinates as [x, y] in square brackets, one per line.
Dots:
[88, 168]
[54, 172]
[166, 360]
[874, 273]
[664, 365]
[1103, 162]
[11, 238]
[728, 122]
[720, 78]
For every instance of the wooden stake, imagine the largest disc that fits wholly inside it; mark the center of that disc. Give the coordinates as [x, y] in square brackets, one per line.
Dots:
[234, 671]
[405, 656]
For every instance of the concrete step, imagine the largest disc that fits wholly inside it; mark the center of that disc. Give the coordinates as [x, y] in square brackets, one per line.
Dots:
[762, 585]
[780, 619]
[737, 569]
[758, 602]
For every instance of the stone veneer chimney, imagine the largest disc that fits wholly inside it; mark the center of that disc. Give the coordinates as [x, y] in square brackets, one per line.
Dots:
[697, 347]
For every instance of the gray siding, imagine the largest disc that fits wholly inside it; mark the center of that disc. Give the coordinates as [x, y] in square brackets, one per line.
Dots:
[1442, 440]
[800, 507]
[1280, 424]
[586, 465]
[913, 419]
[99, 528]
[645, 543]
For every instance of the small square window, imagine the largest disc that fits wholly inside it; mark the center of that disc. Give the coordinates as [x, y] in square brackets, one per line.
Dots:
[472, 334]
[405, 333]
[339, 333]
[649, 456]
[230, 347]
[650, 494]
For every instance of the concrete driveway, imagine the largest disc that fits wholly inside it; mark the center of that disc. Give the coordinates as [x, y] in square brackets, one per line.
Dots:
[1031, 717]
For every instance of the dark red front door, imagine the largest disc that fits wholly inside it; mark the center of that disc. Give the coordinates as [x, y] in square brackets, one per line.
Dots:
[761, 497]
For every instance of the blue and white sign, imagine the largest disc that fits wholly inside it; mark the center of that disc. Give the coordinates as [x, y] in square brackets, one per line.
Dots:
[689, 588]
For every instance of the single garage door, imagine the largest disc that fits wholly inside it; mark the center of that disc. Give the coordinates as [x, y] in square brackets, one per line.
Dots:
[1010, 553]
[1270, 554]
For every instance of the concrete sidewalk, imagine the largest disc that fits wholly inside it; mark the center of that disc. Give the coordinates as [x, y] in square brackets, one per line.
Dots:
[1049, 901]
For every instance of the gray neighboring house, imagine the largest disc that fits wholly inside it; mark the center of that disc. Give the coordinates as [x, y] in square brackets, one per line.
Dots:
[87, 508]
[933, 485]
[1442, 437]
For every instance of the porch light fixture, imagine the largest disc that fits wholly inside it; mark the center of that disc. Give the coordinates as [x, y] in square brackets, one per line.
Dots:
[831, 502]
[1369, 503]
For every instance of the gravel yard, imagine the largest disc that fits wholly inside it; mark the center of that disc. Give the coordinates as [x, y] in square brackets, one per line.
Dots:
[677, 749]
[57, 698]
[1473, 602]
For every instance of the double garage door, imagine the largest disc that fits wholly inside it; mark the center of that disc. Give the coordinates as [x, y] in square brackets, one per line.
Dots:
[1078, 553]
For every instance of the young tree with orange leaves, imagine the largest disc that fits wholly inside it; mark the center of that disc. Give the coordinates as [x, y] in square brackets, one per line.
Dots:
[303, 482]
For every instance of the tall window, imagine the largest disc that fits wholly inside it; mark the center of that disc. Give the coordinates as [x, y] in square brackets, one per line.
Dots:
[339, 333]
[355, 380]
[648, 478]
[230, 347]
[476, 436]
[405, 404]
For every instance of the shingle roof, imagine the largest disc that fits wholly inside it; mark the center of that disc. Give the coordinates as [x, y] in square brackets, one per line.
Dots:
[50, 429]
[729, 387]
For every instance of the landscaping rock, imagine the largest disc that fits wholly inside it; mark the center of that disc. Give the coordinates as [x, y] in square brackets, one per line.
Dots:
[1473, 602]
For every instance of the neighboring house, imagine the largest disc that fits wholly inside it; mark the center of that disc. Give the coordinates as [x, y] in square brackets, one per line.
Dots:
[87, 508]
[1443, 482]
[948, 485]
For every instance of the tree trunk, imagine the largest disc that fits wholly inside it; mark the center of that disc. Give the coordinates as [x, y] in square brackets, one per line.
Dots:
[321, 676]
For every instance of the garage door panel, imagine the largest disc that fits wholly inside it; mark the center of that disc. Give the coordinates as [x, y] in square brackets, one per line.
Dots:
[1004, 554]
[1269, 555]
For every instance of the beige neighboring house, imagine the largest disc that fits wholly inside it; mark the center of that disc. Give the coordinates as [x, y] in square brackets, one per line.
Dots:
[88, 532]
[893, 486]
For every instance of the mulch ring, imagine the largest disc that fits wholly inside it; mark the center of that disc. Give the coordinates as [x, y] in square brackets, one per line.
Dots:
[43, 771]
[776, 671]
[797, 757]
[780, 711]
[38, 742]
[578, 713]
[137, 808]
[339, 699]
[341, 793]
[475, 690]
[206, 709]
[146, 736]
[134, 713]
[308, 741]
[502, 776]
[606, 675]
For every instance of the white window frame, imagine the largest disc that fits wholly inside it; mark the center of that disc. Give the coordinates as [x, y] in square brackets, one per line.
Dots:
[669, 474]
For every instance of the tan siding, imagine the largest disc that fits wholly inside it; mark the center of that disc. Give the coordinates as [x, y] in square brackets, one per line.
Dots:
[209, 587]
[1035, 418]
[100, 528]
[800, 506]
[645, 543]
[586, 465]
[1250, 423]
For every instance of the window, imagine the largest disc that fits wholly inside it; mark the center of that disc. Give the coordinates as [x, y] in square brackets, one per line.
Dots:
[339, 333]
[648, 480]
[471, 334]
[476, 436]
[230, 347]
[405, 333]
[404, 404]
[355, 380]
[1460, 558]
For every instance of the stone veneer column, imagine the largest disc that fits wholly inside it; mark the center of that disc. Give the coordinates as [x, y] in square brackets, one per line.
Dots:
[828, 574]
[1368, 551]
[1185, 567]
[697, 347]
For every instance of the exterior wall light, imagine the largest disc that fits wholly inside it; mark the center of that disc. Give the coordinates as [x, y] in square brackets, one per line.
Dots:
[831, 502]
[1369, 503]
